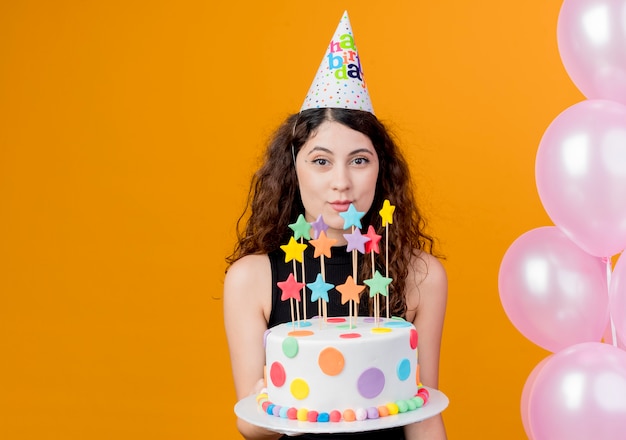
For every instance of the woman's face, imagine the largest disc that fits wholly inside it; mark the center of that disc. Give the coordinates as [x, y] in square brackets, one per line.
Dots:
[336, 166]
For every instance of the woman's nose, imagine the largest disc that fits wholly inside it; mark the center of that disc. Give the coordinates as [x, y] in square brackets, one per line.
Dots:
[341, 178]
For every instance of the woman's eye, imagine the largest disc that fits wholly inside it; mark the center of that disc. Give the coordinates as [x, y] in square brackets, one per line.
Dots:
[360, 160]
[320, 161]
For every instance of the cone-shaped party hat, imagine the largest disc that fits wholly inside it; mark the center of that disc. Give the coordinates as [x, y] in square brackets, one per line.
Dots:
[339, 81]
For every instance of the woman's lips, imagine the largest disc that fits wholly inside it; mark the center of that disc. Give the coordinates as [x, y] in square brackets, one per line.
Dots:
[340, 206]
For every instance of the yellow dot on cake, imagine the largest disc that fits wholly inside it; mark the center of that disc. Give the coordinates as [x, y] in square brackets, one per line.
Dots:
[380, 330]
[299, 389]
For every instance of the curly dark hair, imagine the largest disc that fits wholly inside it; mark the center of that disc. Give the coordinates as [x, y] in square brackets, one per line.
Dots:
[274, 199]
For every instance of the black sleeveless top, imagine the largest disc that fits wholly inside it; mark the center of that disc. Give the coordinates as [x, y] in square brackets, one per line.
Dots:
[336, 269]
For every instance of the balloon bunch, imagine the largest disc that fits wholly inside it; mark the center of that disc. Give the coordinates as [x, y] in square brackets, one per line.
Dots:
[556, 283]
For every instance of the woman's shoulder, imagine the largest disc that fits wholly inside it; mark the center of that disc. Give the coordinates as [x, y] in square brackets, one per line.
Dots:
[427, 283]
[428, 268]
[249, 268]
[247, 287]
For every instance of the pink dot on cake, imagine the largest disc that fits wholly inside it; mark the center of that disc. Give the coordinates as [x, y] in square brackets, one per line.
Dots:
[336, 320]
[413, 338]
[350, 335]
[277, 374]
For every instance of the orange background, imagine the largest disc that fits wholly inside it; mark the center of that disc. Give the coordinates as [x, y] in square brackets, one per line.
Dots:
[128, 134]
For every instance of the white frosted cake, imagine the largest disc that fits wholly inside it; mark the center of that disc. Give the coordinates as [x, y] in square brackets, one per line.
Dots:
[341, 369]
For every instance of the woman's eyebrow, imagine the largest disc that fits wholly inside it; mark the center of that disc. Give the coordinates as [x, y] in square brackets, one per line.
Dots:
[327, 150]
[319, 148]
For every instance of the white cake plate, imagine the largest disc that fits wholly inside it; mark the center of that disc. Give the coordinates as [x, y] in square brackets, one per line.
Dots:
[247, 409]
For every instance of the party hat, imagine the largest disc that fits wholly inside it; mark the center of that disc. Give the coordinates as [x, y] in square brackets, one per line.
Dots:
[339, 81]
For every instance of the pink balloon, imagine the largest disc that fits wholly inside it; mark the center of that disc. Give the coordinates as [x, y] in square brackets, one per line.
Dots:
[553, 292]
[617, 299]
[526, 393]
[591, 36]
[580, 394]
[580, 171]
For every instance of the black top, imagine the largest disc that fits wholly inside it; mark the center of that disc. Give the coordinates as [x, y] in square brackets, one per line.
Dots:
[337, 269]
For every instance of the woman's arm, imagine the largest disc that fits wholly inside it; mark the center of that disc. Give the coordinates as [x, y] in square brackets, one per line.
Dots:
[426, 295]
[247, 305]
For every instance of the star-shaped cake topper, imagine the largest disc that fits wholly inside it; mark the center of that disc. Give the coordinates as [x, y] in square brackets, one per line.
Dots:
[301, 228]
[350, 290]
[290, 288]
[356, 240]
[293, 250]
[319, 288]
[378, 284]
[372, 245]
[386, 213]
[322, 245]
[318, 226]
[351, 217]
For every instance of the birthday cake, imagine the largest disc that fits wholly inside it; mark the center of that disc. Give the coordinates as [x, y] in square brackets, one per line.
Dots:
[343, 369]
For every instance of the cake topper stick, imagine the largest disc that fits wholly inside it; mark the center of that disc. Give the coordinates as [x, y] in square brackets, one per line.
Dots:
[301, 230]
[290, 290]
[294, 251]
[319, 291]
[373, 248]
[386, 213]
[356, 242]
[350, 291]
[322, 246]
[297, 308]
[377, 284]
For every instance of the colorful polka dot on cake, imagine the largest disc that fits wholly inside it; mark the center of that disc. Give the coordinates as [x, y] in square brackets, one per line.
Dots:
[277, 374]
[331, 361]
[404, 369]
[290, 347]
[299, 389]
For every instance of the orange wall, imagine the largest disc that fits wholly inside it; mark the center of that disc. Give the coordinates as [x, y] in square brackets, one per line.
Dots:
[128, 132]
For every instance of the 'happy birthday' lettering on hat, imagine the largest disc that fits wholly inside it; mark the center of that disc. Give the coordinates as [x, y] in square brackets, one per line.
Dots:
[339, 82]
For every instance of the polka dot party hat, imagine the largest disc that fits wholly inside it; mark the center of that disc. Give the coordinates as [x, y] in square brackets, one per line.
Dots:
[339, 81]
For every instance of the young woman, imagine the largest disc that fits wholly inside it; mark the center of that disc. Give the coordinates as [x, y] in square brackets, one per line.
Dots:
[319, 162]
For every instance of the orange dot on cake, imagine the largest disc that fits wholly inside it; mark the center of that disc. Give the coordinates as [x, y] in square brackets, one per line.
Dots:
[331, 361]
[300, 333]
